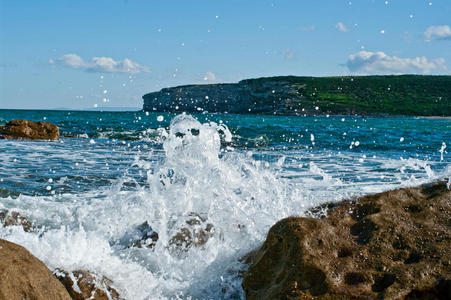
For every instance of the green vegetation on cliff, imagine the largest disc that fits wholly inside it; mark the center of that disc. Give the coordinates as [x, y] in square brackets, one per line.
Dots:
[288, 95]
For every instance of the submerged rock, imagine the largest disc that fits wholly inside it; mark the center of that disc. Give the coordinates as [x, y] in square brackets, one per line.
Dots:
[23, 276]
[24, 129]
[83, 285]
[12, 218]
[196, 233]
[140, 236]
[391, 245]
[145, 236]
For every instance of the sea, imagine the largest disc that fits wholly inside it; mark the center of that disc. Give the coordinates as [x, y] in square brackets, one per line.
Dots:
[209, 185]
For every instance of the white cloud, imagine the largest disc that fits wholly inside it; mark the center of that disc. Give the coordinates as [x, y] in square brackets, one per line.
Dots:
[99, 64]
[210, 76]
[307, 28]
[72, 61]
[438, 33]
[365, 62]
[288, 54]
[340, 26]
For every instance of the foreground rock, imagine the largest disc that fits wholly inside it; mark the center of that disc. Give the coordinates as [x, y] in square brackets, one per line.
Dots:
[24, 129]
[78, 285]
[83, 285]
[23, 276]
[391, 245]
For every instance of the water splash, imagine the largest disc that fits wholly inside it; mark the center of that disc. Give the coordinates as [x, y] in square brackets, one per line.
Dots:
[209, 204]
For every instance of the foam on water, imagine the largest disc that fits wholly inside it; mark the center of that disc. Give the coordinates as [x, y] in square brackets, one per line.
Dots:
[228, 190]
[196, 175]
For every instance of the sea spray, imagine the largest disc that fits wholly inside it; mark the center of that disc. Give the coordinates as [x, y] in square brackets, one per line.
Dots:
[226, 189]
[191, 175]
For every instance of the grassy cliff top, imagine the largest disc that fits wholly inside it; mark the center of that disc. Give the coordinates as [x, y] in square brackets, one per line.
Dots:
[392, 95]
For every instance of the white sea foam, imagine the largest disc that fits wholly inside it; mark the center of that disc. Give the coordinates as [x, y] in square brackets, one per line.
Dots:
[228, 190]
[232, 190]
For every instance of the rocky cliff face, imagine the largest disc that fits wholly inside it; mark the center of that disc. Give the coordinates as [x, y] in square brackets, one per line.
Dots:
[247, 96]
[291, 95]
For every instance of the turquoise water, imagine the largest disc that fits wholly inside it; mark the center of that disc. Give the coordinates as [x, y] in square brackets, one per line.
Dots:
[112, 171]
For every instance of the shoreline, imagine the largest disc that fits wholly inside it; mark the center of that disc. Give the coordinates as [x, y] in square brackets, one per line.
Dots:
[382, 116]
[434, 117]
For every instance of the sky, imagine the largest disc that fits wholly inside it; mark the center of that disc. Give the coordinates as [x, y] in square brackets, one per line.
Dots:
[85, 54]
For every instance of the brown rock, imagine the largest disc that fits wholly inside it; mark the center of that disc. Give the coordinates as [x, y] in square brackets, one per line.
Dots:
[8, 218]
[391, 245]
[87, 285]
[23, 276]
[24, 129]
[147, 237]
[439, 291]
[196, 233]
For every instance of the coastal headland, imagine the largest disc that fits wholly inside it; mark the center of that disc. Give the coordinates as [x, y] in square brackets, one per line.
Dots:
[395, 95]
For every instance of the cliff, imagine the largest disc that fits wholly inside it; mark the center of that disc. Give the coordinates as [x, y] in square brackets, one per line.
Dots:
[290, 95]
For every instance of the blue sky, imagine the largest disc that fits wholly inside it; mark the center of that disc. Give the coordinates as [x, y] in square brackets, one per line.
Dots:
[81, 54]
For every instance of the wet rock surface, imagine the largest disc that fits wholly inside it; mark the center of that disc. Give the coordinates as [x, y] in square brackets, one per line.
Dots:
[24, 129]
[79, 285]
[83, 285]
[146, 237]
[23, 276]
[391, 245]
[195, 233]
[140, 236]
[12, 218]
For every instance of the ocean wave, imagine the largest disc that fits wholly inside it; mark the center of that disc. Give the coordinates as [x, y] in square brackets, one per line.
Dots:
[182, 178]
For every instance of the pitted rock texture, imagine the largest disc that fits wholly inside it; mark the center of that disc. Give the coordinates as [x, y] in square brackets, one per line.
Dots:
[392, 245]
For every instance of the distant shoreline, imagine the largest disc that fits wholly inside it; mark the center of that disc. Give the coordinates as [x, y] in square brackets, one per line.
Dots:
[256, 114]
[434, 117]
[106, 109]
